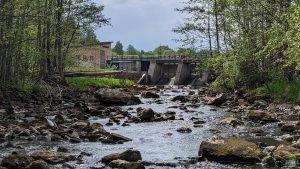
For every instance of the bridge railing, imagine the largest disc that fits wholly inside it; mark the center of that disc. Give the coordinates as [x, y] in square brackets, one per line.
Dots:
[136, 57]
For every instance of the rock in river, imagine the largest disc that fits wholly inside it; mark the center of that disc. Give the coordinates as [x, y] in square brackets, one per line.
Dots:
[218, 100]
[16, 161]
[148, 94]
[182, 99]
[230, 150]
[113, 97]
[128, 155]
[285, 153]
[125, 164]
[146, 114]
[117, 137]
[38, 164]
[261, 116]
[51, 157]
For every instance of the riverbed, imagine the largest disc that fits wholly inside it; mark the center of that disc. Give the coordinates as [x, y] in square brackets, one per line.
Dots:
[159, 142]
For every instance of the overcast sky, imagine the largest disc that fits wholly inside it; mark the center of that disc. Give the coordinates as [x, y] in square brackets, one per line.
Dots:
[143, 23]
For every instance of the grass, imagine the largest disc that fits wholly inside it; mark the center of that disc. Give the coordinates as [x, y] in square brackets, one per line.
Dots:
[88, 69]
[86, 82]
[286, 91]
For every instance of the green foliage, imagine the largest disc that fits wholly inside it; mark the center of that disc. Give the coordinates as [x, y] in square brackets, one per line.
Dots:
[85, 82]
[89, 69]
[284, 90]
[131, 50]
[118, 49]
[164, 51]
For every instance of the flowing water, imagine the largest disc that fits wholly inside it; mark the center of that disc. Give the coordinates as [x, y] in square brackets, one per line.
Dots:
[157, 141]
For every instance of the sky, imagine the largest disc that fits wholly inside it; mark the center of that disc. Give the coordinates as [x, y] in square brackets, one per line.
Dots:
[146, 24]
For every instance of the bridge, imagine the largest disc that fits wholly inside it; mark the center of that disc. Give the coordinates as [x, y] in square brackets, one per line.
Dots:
[160, 69]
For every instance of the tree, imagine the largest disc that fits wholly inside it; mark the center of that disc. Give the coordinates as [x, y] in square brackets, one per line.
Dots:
[131, 50]
[35, 36]
[118, 49]
[164, 51]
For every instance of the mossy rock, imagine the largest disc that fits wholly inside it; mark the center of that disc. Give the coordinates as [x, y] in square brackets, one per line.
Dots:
[288, 153]
[230, 150]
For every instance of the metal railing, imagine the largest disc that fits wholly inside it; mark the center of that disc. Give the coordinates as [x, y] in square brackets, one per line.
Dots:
[136, 57]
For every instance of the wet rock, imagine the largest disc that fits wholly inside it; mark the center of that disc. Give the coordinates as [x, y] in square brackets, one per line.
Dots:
[38, 164]
[198, 122]
[16, 161]
[269, 150]
[62, 149]
[287, 138]
[25, 132]
[107, 159]
[125, 164]
[148, 94]
[230, 150]
[130, 155]
[285, 153]
[51, 157]
[268, 161]
[296, 144]
[218, 100]
[231, 121]
[184, 130]
[113, 97]
[146, 115]
[261, 116]
[74, 140]
[182, 99]
[79, 125]
[290, 126]
[117, 137]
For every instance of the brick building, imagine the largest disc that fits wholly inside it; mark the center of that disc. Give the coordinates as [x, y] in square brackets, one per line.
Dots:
[93, 55]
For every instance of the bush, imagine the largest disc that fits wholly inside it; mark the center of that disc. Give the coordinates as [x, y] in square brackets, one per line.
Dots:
[86, 82]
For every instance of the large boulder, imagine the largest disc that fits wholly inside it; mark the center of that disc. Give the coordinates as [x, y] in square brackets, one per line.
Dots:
[112, 97]
[231, 121]
[125, 164]
[230, 150]
[148, 94]
[51, 157]
[290, 126]
[118, 137]
[128, 155]
[146, 114]
[285, 153]
[38, 164]
[131, 155]
[218, 100]
[180, 98]
[261, 116]
[16, 161]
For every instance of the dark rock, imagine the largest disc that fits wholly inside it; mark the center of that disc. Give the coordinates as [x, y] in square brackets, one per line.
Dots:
[184, 130]
[146, 115]
[125, 164]
[107, 159]
[218, 100]
[261, 117]
[290, 126]
[38, 164]
[230, 150]
[182, 99]
[74, 140]
[62, 149]
[130, 155]
[16, 161]
[51, 157]
[148, 94]
[117, 137]
[268, 160]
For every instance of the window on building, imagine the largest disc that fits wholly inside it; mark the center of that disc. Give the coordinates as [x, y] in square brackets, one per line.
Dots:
[91, 58]
[85, 58]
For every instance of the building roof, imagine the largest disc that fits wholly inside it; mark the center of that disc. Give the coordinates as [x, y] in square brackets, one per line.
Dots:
[100, 43]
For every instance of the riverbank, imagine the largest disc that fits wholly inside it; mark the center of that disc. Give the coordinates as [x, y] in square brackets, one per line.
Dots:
[166, 126]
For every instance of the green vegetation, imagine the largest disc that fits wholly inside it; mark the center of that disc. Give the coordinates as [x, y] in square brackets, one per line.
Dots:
[85, 82]
[90, 69]
[36, 36]
[252, 44]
